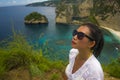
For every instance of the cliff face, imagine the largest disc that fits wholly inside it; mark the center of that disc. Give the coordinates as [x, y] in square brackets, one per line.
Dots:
[79, 12]
[112, 22]
[72, 13]
[64, 13]
[84, 8]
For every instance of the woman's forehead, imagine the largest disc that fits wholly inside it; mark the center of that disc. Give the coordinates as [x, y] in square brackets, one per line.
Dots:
[83, 29]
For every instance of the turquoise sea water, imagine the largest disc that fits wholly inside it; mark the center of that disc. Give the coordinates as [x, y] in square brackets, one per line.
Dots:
[57, 37]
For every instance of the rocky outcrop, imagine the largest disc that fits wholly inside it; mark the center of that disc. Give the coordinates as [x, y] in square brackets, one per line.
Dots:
[61, 18]
[79, 12]
[33, 21]
[35, 18]
[73, 13]
[112, 22]
[64, 13]
[84, 8]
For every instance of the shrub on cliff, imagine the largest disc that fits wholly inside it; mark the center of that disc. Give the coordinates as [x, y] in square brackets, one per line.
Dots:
[34, 15]
[113, 68]
[18, 53]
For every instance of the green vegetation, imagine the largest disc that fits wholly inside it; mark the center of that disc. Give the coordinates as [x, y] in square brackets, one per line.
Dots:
[113, 68]
[105, 8]
[92, 18]
[61, 7]
[75, 10]
[35, 16]
[19, 53]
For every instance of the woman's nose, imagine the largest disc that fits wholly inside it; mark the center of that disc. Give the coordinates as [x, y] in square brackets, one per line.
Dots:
[75, 37]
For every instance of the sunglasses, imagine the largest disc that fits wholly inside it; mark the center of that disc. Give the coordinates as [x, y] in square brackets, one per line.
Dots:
[81, 35]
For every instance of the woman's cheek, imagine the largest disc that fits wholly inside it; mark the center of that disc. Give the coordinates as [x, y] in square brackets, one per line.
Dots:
[82, 44]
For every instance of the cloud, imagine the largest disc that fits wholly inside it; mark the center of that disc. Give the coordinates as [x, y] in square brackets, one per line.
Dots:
[11, 2]
[8, 2]
[14, 1]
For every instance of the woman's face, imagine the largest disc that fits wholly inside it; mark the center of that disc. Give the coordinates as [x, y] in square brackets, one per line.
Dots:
[84, 43]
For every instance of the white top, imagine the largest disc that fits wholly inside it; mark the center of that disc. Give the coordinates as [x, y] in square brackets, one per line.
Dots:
[90, 70]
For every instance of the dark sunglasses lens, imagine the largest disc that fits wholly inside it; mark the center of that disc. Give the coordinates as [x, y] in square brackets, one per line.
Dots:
[74, 33]
[80, 36]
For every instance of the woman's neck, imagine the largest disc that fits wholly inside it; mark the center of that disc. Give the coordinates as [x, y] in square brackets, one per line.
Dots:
[80, 60]
[84, 55]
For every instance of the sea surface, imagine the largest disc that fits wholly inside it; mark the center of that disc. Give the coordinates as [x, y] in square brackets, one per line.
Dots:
[56, 38]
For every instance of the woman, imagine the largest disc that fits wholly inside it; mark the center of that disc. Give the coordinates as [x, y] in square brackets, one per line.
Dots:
[87, 43]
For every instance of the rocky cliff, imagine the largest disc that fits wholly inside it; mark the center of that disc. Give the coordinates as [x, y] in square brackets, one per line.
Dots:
[73, 13]
[64, 13]
[78, 12]
[112, 22]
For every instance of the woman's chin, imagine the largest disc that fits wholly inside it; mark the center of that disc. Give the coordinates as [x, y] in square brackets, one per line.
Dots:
[74, 46]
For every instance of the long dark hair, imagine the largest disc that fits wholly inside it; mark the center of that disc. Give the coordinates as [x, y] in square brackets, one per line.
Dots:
[97, 35]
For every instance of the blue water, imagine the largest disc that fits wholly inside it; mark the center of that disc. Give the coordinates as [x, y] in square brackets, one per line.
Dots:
[57, 37]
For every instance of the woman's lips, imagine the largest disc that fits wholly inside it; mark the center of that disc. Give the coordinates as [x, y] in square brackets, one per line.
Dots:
[73, 42]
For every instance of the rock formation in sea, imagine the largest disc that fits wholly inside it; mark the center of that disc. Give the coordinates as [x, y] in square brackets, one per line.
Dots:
[35, 18]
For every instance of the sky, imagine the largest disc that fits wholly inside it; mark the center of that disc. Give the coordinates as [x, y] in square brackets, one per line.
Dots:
[17, 2]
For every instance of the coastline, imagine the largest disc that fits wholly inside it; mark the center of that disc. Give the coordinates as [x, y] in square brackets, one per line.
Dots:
[115, 33]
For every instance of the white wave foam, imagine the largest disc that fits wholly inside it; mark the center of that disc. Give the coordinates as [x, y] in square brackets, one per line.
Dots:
[115, 33]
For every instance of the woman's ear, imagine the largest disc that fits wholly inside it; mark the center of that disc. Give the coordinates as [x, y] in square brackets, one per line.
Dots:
[91, 44]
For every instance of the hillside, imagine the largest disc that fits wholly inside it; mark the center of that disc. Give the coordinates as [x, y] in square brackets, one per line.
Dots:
[20, 61]
[53, 3]
[80, 11]
[45, 3]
